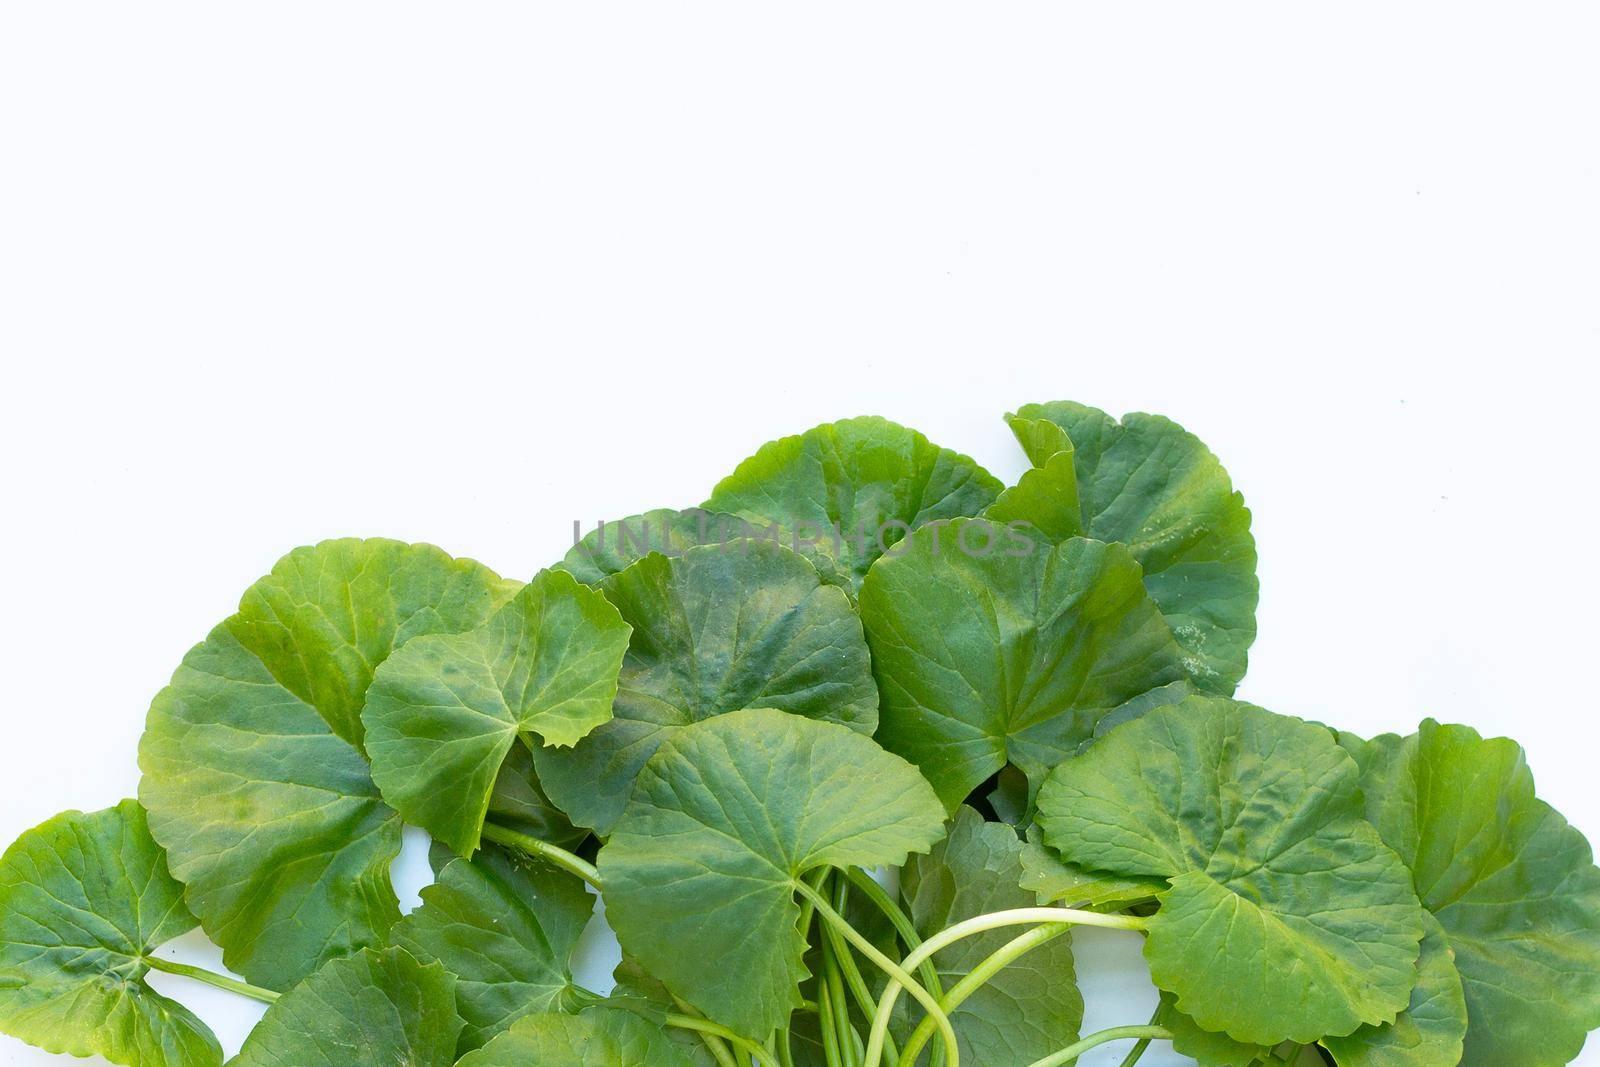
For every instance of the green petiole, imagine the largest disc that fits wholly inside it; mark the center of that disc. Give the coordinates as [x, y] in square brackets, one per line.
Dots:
[211, 978]
[706, 1026]
[1116, 1033]
[560, 857]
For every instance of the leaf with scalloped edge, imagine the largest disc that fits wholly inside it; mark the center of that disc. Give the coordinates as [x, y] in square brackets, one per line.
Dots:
[1429, 1031]
[601, 1036]
[851, 490]
[1513, 885]
[1206, 1048]
[507, 930]
[1150, 484]
[1287, 918]
[1053, 880]
[985, 660]
[616, 544]
[373, 1009]
[444, 712]
[727, 817]
[252, 775]
[714, 630]
[85, 900]
[1045, 498]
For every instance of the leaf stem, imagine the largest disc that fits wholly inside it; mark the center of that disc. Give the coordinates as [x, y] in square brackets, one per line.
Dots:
[900, 921]
[1116, 1033]
[978, 925]
[712, 1042]
[545, 850]
[706, 1026]
[898, 979]
[200, 974]
[975, 979]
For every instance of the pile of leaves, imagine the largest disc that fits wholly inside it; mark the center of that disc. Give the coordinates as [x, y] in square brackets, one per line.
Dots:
[847, 752]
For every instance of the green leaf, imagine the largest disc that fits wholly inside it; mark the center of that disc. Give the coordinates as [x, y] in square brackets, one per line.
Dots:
[1053, 880]
[445, 711]
[854, 488]
[1429, 1031]
[1030, 1009]
[519, 803]
[1287, 917]
[715, 630]
[507, 931]
[1512, 884]
[373, 1009]
[266, 808]
[1206, 1048]
[727, 817]
[616, 545]
[1150, 484]
[1045, 498]
[601, 1036]
[85, 900]
[984, 660]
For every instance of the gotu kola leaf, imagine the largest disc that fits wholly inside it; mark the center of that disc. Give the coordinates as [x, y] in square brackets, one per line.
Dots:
[507, 930]
[85, 900]
[1513, 885]
[727, 817]
[616, 545]
[1153, 486]
[720, 628]
[373, 1009]
[987, 654]
[1287, 918]
[1429, 1031]
[601, 1036]
[850, 490]
[1032, 1007]
[253, 775]
[444, 712]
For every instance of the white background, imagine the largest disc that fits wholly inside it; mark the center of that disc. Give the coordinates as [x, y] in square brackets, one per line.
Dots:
[465, 273]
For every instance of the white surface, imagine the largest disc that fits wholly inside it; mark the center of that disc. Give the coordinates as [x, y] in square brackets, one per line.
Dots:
[274, 273]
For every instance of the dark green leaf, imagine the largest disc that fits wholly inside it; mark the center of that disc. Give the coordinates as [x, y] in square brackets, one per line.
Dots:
[985, 660]
[373, 1009]
[507, 931]
[727, 816]
[715, 630]
[854, 488]
[1287, 917]
[252, 776]
[85, 900]
[1155, 487]
[445, 711]
[1512, 884]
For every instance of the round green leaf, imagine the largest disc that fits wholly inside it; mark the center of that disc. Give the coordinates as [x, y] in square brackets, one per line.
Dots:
[445, 711]
[717, 629]
[616, 545]
[701, 869]
[85, 900]
[600, 1036]
[850, 490]
[1513, 885]
[252, 777]
[1030, 1009]
[1001, 657]
[1150, 484]
[1287, 918]
[507, 930]
[1429, 1031]
[373, 1009]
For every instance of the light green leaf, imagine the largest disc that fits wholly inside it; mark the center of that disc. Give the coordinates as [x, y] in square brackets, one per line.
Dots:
[601, 1036]
[727, 817]
[1429, 1031]
[985, 660]
[616, 545]
[1045, 498]
[507, 931]
[715, 630]
[373, 1009]
[85, 900]
[854, 488]
[1513, 885]
[1150, 484]
[445, 711]
[1287, 917]
[268, 812]
[1204, 1047]
[1030, 1009]
[1053, 880]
